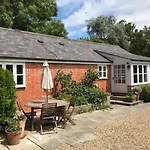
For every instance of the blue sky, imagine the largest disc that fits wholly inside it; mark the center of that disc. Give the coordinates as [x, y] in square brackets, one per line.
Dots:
[73, 13]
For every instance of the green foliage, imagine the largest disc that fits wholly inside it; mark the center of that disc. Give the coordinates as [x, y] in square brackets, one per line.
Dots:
[130, 97]
[145, 95]
[107, 29]
[92, 39]
[126, 35]
[13, 124]
[140, 42]
[90, 77]
[7, 96]
[34, 16]
[64, 96]
[65, 81]
[83, 93]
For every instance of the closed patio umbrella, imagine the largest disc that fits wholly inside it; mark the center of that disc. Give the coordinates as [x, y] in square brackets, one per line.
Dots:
[47, 82]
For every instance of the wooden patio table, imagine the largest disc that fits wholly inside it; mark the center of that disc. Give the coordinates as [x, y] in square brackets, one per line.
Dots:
[37, 104]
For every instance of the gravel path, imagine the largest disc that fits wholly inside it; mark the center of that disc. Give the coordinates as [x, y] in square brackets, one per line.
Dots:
[131, 132]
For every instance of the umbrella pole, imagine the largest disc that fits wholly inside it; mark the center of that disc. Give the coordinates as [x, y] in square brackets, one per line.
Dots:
[47, 96]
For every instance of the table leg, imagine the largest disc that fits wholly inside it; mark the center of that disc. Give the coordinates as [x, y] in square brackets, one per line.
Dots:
[32, 119]
[64, 117]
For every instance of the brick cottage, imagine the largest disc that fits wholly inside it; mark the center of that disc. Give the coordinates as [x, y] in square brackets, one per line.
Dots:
[24, 53]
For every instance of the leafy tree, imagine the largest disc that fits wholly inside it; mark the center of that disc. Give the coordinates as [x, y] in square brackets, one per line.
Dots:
[122, 33]
[31, 15]
[108, 30]
[92, 39]
[7, 96]
[140, 42]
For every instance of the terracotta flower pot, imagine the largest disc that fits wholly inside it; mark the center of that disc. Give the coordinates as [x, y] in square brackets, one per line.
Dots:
[13, 137]
[22, 125]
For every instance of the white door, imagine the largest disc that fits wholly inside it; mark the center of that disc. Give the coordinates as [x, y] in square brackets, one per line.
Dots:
[119, 79]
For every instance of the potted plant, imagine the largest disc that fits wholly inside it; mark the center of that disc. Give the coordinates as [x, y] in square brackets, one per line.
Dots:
[130, 97]
[13, 130]
[22, 118]
[137, 90]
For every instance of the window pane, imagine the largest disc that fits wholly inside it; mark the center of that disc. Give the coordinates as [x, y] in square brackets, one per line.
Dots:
[9, 67]
[123, 66]
[140, 68]
[0, 65]
[135, 78]
[145, 77]
[100, 74]
[145, 69]
[19, 80]
[119, 79]
[100, 68]
[104, 68]
[123, 80]
[140, 78]
[134, 69]
[104, 74]
[19, 69]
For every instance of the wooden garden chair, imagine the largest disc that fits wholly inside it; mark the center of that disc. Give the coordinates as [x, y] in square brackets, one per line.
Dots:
[49, 113]
[70, 111]
[27, 114]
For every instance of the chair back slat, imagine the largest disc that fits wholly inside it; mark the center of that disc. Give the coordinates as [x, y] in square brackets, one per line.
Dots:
[49, 109]
[20, 107]
[71, 104]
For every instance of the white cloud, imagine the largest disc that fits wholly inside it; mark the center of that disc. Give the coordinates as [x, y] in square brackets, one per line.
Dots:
[72, 33]
[84, 29]
[136, 11]
[62, 3]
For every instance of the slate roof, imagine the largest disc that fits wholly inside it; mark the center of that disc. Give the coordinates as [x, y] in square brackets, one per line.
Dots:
[27, 45]
[118, 51]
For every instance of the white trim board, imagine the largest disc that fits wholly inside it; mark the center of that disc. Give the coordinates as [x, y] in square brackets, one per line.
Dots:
[52, 62]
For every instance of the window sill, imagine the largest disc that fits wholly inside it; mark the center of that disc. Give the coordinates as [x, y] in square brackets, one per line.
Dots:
[140, 83]
[103, 78]
[20, 86]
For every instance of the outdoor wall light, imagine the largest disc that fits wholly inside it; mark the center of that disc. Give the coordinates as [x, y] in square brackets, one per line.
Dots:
[128, 65]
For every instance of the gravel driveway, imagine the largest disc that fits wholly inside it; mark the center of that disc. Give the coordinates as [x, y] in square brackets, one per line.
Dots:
[129, 132]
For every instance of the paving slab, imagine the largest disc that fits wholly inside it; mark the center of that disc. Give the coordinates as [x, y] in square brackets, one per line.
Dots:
[24, 144]
[86, 137]
[37, 137]
[81, 136]
[50, 144]
[3, 147]
[70, 141]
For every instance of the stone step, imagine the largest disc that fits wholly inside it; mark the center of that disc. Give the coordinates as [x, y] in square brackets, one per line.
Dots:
[125, 103]
[118, 94]
[119, 98]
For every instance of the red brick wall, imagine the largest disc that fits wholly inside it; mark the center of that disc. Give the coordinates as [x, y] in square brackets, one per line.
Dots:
[33, 88]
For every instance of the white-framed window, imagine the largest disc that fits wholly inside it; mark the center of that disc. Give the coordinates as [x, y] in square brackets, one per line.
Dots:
[140, 74]
[18, 70]
[120, 74]
[102, 69]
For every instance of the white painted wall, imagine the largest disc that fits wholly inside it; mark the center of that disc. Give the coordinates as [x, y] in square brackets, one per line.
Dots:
[120, 87]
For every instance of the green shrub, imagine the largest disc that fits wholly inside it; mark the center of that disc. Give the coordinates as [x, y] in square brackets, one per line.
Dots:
[145, 95]
[90, 77]
[7, 96]
[130, 97]
[65, 81]
[83, 93]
